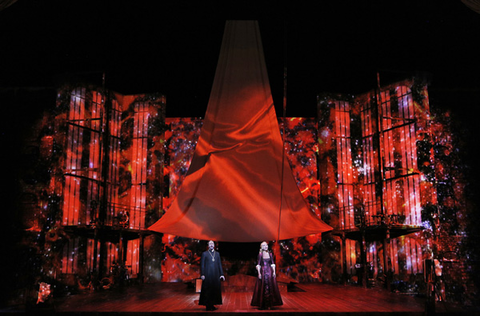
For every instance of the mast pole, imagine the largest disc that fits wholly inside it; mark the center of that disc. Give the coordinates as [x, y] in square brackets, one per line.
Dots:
[277, 250]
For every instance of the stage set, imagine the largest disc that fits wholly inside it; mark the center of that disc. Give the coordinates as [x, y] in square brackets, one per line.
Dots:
[356, 203]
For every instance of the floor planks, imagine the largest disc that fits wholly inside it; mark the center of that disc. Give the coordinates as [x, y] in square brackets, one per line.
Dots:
[307, 299]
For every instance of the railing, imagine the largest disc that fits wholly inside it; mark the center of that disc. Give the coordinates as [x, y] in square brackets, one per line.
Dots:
[361, 219]
[123, 216]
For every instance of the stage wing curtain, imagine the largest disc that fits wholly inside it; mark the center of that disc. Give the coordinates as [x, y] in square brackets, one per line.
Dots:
[6, 3]
[472, 4]
[232, 189]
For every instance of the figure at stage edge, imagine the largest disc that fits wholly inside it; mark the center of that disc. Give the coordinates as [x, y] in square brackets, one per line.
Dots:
[211, 273]
[266, 293]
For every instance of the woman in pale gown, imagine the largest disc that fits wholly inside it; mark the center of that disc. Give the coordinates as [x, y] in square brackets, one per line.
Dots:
[266, 293]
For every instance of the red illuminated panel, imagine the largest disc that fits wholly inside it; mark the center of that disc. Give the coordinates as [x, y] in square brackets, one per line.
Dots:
[133, 256]
[93, 171]
[70, 256]
[82, 176]
[112, 256]
[406, 255]
[402, 182]
[410, 255]
[351, 258]
[74, 149]
[373, 256]
[91, 248]
[344, 164]
[139, 166]
[114, 162]
[370, 160]
[393, 252]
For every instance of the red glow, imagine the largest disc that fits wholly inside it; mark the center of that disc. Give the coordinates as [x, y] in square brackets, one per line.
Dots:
[336, 169]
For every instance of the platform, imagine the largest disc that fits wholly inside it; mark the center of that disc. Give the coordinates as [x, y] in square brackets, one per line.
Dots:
[300, 299]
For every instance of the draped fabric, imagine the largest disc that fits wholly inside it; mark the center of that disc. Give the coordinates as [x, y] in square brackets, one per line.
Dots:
[232, 191]
[6, 3]
[472, 4]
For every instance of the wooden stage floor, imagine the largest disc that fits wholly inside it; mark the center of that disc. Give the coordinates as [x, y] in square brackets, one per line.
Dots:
[305, 299]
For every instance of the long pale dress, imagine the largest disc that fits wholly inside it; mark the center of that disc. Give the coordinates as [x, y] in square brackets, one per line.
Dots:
[266, 293]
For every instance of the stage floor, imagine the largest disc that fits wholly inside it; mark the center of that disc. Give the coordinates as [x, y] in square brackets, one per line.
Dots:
[305, 299]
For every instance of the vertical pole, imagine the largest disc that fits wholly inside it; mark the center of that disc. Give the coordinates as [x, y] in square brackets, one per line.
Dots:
[386, 256]
[381, 177]
[95, 277]
[121, 252]
[283, 150]
[106, 155]
[121, 267]
[141, 259]
[284, 110]
[363, 254]
[102, 210]
[283, 156]
[430, 284]
[344, 259]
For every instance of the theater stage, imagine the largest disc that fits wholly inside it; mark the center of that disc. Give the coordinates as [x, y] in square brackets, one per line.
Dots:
[301, 299]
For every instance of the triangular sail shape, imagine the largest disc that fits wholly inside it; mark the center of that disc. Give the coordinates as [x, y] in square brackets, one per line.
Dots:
[233, 187]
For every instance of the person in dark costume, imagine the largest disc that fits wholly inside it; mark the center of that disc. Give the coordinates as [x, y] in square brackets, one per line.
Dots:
[211, 273]
[266, 293]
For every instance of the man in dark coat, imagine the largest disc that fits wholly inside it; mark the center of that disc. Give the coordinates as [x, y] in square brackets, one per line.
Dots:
[211, 273]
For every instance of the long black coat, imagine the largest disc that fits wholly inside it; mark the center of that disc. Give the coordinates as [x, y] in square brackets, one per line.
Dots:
[211, 293]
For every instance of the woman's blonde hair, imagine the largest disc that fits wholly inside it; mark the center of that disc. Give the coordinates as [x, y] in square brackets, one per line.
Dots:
[263, 242]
